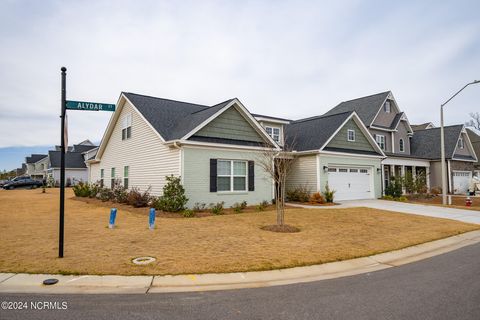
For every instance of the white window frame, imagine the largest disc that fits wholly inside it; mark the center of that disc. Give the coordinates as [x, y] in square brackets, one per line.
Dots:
[232, 176]
[380, 141]
[102, 177]
[126, 177]
[272, 134]
[112, 177]
[401, 145]
[348, 135]
[126, 125]
[461, 143]
[387, 104]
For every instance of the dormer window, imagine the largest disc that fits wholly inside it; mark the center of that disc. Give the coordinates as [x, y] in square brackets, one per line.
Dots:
[386, 106]
[273, 132]
[461, 145]
[351, 135]
[127, 127]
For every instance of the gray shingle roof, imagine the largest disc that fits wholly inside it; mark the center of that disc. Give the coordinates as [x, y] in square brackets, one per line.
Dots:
[423, 126]
[312, 133]
[82, 148]
[269, 117]
[426, 143]
[34, 158]
[73, 160]
[366, 107]
[172, 119]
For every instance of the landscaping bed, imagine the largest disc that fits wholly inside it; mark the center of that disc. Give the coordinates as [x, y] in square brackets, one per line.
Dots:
[457, 201]
[221, 243]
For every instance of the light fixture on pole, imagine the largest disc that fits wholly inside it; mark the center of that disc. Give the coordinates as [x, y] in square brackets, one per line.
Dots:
[442, 143]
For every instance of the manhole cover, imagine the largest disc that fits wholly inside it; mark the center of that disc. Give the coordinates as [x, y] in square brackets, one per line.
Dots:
[143, 260]
[49, 282]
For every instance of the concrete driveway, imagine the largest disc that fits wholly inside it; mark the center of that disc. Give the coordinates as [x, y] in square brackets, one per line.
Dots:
[471, 216]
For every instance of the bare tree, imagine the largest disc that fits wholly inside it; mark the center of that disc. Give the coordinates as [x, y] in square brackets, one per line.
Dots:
[475, 121]
[278, 164]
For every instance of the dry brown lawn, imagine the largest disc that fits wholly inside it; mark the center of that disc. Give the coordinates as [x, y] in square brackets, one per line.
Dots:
[29, 235]
[457, 202]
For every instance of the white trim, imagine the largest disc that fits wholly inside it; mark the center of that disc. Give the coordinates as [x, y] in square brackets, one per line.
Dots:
[214, 145]
[382, 129]
[232, 176]
[350, 155]
[405, 162]
[389, 97]
[384, 141]
[348, 135]
[392, 135]
[219, 146]
[263, 119]
[280, 135]
[249, 118]
[450, 180]
[401, 145]
[318, 173]
[362, 127]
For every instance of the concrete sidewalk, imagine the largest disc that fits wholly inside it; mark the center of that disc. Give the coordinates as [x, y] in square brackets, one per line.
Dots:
[470, 216]
[32, 283]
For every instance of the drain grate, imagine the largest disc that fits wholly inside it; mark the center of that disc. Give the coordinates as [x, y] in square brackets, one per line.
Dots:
[143, 260]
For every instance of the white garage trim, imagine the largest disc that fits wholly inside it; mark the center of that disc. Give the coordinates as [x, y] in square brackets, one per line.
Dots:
[461, 181]
[351, 182]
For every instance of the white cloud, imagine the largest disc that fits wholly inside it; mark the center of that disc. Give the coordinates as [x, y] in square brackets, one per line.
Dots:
[290, 59]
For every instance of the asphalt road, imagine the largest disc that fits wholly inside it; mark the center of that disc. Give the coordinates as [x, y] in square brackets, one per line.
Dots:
[444, 287]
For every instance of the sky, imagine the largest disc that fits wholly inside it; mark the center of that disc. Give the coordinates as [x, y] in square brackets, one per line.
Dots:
[289, 59]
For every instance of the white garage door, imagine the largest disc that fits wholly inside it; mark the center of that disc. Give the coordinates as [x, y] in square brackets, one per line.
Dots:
[350, 183]
[461, 181]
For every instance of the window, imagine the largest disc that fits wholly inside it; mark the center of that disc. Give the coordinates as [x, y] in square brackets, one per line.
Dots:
[401, 145]
[350, 135]
[112, 180]
[231, 175]
[101, 177]
[363, 171]
[127, 127]
[125, 176]
[380, 141]
[332, 169]
[460, 143]
[353, 170]
[386, 107]
[273, 132]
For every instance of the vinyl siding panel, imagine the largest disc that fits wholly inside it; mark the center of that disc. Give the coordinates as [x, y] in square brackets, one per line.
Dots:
[196, 179]
[230, 125]
[385, 119]
[340, 140]
[388, 138]
[402, 133]
[148, 159]
[466, 149]
[304, 173]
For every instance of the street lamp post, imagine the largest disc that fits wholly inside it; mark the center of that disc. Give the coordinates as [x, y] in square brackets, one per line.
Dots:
[442, 143]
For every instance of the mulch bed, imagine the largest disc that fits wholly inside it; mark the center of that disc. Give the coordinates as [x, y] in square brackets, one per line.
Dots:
[326, 204]
[282, 229]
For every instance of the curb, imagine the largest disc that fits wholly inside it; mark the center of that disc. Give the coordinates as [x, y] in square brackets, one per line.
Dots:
[32, 283]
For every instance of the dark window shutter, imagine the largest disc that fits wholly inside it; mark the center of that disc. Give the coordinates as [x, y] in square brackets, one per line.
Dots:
[251, 176]
[213, 175]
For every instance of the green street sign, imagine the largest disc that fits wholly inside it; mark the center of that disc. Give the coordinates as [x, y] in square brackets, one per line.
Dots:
[89, 106]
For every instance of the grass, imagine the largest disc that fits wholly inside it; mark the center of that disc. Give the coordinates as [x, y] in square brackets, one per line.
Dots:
[231, 243]
[457, 202]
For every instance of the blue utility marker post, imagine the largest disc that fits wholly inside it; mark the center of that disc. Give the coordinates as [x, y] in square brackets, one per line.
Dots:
[151, 219]
[113, 216]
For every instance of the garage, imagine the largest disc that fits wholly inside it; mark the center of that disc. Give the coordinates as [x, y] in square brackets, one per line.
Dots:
[461, 181]
[351, 183]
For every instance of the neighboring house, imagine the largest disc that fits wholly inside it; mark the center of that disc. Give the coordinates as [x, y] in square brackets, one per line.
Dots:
[423, 126]
[336, 150]
[474, 136]
[459, 154]
[392, 131]
[32, 169]
[75, 163]
[215, 149]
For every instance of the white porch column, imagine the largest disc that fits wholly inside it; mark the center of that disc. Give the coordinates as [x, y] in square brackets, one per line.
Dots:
[403, 176]
[427, 177]
[383, 178]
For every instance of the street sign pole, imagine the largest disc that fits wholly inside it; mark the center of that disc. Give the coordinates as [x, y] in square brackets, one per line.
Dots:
[62, 163]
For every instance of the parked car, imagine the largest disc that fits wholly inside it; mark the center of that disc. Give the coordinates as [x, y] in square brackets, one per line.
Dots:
[3, 182]
[22, 182]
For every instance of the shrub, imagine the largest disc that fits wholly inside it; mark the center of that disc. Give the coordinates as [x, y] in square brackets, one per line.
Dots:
[394, 188]
[119, 192]
[50, 181]
[299, 193]
[94, 189]
[262, 205]
[173, 198]
[329, 194]
[81, 189]
[402, 199]
[187, 213]
[436, 191]
[420, 184]
[199, 206]
[105, 194]
[217, 208]
[316, 198]
[237, 207]
[138, 199]
[409, 182]
[387, 197]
